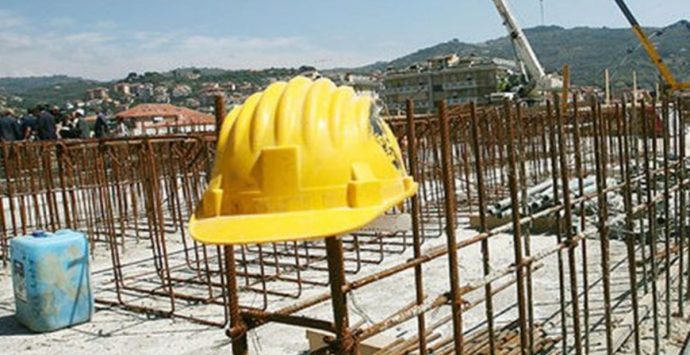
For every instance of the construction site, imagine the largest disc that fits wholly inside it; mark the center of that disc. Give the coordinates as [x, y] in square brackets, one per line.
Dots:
[312, 220]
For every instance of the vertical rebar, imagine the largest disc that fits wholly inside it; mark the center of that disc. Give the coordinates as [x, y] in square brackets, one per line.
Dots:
[680, 168]
[601, 162]
[667, 222]
[559, 225]
[581, 192]
[568, 228]
[344, 343]
[651, 216]
[624, 131]
[479, 166]
[239, 341]
[638, 189]
[517, 242]
[526, 236]
[416, 223]
[453, 269]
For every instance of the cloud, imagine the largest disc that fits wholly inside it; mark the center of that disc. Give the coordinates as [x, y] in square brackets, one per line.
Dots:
[62, 22]
[10, 42]
[10, 20]
[112, 53]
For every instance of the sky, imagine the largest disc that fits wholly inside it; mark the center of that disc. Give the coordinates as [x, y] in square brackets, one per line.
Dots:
[106, 39]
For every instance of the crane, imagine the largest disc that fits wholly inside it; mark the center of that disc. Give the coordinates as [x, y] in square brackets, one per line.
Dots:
[536, 78]
[671, 82]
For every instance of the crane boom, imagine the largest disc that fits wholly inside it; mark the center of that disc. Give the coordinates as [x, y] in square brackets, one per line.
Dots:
[524, 50]
[653, 54]
[536, 76]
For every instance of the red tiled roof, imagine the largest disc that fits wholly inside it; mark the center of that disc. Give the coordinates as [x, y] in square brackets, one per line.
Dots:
[176, 115]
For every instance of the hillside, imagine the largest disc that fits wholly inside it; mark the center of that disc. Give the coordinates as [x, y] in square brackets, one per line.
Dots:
[588, 51]
[21, 85]
[56, 90]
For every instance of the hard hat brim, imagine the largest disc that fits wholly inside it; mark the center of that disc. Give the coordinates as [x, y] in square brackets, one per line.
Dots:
[287, 226]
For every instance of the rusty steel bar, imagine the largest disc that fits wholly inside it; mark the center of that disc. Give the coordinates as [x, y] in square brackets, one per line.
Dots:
[451, 242]
[666, 204]
[344, 342]
[559, 226]
[600, 167]
[581, 190]
[572, 269]
[517, 242]
[624, 130]
[651, 216]
[479, 164]
[416, 222]
[682, 219]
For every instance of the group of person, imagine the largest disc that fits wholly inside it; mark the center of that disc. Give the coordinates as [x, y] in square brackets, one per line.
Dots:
[43, 123]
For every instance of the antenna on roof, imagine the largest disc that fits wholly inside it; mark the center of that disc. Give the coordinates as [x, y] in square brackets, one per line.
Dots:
[541, 8]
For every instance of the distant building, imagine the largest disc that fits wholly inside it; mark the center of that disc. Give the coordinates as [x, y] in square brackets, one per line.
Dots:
[144, 91]
[94, 103]
[191, 75]
[247, 87]
[457, 80]
[209, 86]
[363, 84]
[208, 93]
[98, 93]
[229, 86]
[180, 91]
[191, 103]
[208, 98]
[160, 95]
[152, 118]
[122, 88]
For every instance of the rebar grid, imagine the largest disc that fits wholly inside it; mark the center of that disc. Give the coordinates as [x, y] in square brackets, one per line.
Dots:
[510, 171]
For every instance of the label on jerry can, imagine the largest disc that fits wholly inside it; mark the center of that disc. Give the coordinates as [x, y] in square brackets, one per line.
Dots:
[19, 281]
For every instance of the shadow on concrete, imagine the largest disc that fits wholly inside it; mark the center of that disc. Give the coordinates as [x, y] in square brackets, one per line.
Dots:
[10, 326]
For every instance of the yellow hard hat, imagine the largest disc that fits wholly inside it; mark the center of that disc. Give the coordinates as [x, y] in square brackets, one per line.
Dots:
[300, 160]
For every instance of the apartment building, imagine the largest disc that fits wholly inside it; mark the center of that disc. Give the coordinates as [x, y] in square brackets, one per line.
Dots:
[457, 80]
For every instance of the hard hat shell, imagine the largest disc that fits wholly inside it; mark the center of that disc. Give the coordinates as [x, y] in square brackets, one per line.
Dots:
[300, 160]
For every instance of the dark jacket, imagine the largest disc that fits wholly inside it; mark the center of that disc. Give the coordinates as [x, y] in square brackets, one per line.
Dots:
[9, 129]
[28, 124]
[101, 128]
[45, 126]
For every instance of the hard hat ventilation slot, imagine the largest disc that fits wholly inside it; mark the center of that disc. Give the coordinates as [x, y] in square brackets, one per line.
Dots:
[364, 189]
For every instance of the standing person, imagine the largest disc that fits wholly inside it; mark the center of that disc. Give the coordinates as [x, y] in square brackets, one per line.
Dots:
[80, 126]
[101, 128]
[65, 128]
[45, 126]
[27, 127]
[8, 133]
[9, 129]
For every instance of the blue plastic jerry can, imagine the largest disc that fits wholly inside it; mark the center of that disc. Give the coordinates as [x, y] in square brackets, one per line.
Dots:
[50, 275]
